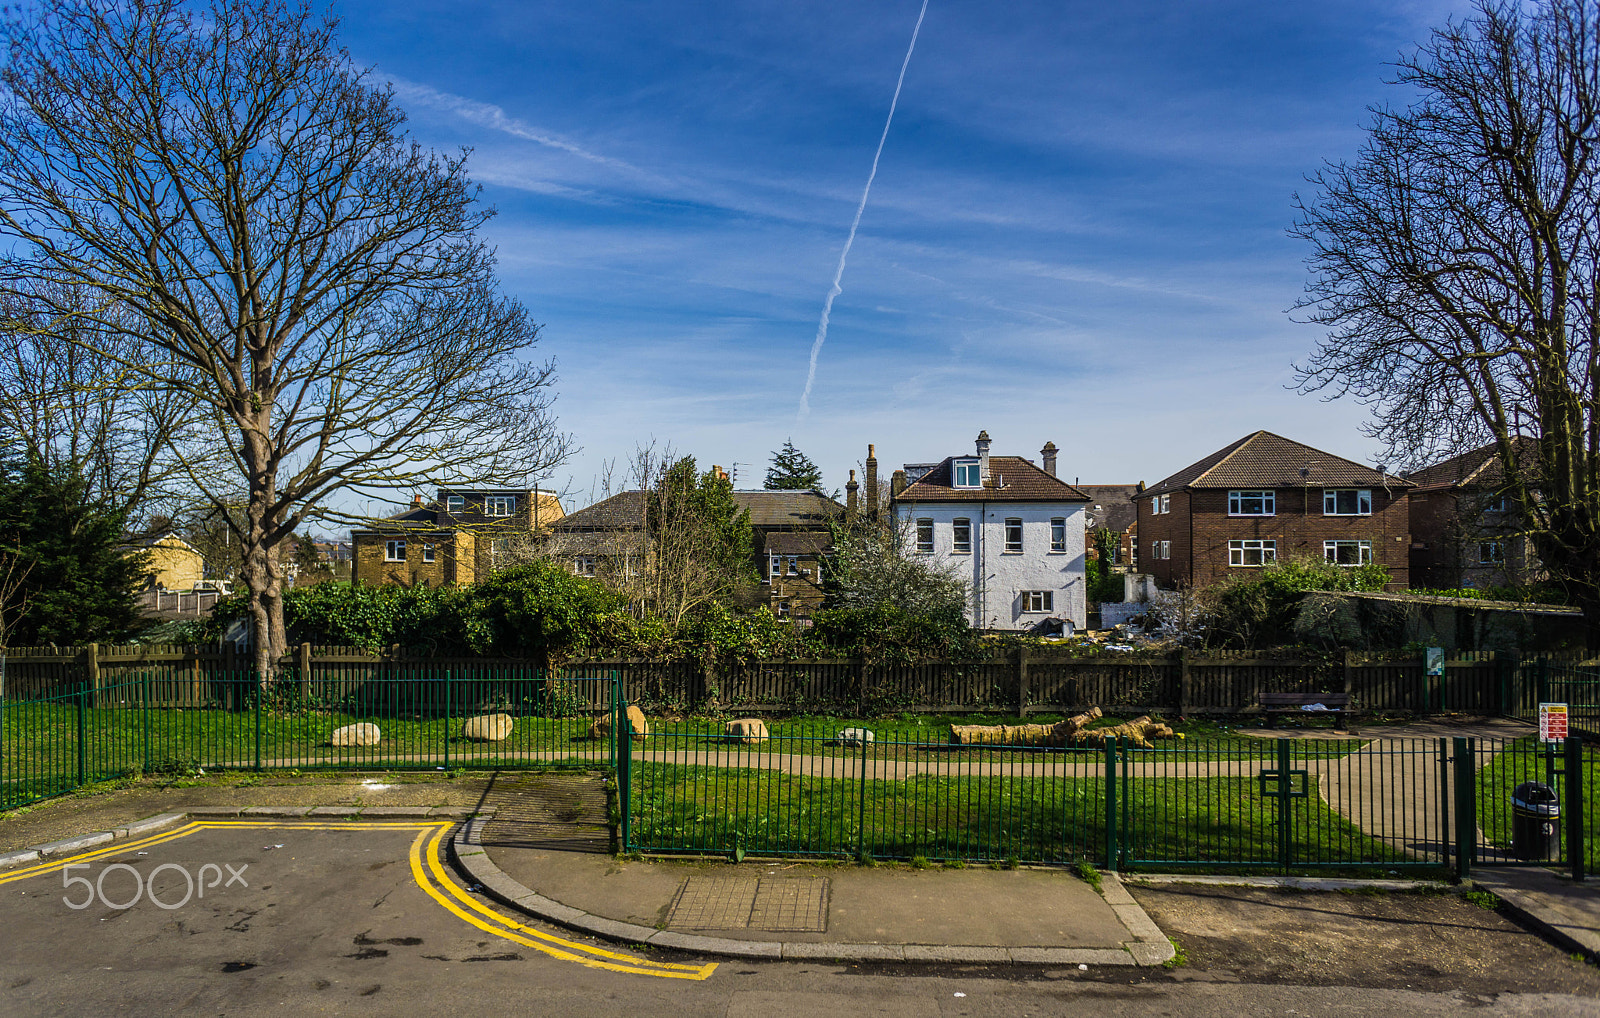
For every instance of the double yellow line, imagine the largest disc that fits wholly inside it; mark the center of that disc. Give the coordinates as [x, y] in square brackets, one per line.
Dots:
[429, 873]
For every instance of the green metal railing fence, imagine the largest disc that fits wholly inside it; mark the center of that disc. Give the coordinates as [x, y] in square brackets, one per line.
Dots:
[156, 723]
[811, 789]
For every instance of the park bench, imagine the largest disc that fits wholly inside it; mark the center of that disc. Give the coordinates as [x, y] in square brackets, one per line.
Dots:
[1274, 704]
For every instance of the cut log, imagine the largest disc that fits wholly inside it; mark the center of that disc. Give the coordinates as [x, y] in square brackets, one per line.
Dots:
[1072, 732]
[1021, 735]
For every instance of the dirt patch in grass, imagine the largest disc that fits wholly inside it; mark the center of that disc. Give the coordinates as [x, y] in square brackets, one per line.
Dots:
[1434, 943]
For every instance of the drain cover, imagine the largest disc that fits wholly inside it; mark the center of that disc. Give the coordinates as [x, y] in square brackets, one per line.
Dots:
[793, 904]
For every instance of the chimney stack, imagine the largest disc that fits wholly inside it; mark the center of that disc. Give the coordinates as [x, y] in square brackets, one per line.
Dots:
[416, 500]
[1048, 453]
[852, 504]
[872, 483]
[983, 458]
[897, 484]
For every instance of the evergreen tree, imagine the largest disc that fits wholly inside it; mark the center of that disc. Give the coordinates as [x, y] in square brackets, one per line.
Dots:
[80, 586]
[792, 470]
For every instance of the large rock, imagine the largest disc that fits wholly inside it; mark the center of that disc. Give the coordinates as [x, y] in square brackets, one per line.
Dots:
[363, 734]
[855, 737]
[487, 727]
[601, 729]
[748, 730]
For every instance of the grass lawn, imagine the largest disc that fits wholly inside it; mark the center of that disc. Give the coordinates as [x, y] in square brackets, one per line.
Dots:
[1220, 822]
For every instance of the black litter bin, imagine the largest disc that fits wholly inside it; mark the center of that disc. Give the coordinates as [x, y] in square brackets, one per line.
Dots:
[1535, 821]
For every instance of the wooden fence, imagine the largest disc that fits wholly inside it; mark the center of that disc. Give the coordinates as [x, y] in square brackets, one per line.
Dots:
[1020, 681]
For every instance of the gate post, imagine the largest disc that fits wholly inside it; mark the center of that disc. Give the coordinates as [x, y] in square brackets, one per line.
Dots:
[623, 759]
[1285, 805]
[1573, 805]
[1443, 746]
[1113, 819]
[447, 719]
[1464, 756]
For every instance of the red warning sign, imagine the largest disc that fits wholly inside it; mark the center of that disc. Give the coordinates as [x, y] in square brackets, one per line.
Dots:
[1552, 722]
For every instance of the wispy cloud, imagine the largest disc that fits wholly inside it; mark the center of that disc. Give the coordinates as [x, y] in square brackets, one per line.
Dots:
[493, 117]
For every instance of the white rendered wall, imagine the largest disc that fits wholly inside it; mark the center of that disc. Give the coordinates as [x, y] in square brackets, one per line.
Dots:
[996, 577]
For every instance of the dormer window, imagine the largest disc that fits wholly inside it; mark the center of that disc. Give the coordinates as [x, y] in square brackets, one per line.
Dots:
[455, 503]
[968, 475]
[499, 505]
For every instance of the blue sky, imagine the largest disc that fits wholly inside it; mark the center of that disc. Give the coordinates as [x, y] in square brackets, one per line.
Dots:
[1076, 234]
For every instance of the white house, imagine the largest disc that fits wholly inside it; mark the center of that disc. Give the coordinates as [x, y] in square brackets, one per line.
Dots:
[1008, 527]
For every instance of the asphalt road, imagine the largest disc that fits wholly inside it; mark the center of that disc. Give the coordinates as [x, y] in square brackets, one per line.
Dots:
[359, 921]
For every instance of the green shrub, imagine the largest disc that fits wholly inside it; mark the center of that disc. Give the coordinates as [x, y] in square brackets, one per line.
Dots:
[1260, 611]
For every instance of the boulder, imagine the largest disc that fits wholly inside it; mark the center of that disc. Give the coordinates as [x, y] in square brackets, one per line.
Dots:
[363, 734]
[487, 727]
[601, 729]
[747, 730]
[855, 737]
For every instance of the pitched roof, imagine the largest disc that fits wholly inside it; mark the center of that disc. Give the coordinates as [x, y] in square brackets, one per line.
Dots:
[1264, 460]
[788, 510]
[1018, 481]
[1110, 506]
[1478, 468]
[622, 511]
[782, 542]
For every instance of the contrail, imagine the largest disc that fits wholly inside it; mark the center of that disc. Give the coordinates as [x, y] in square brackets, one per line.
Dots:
[834, 290]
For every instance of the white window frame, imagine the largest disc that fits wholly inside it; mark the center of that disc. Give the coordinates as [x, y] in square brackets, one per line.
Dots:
[1330, 552]
[455, 503]
[583, 565]
[1497, 557]
[1160, 504]
[427, 552]
[1494, 503]
[1330, 501]
[961, 545]
[1242, 549]
[1133, 548]
[925, 536]
[394, 550]
[774, 564]
[1166, 549]
[1267, 497]
[966, 474]
[500, 505]
[1038, 602]
[1013, 524]
[1058, 534]
[793, 562]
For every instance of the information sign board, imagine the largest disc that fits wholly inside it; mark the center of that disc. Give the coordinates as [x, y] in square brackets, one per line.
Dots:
[1552, 722]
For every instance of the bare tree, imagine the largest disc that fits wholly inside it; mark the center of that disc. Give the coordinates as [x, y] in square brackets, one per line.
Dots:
[70, 403]
[309, 277]
[1456, 262]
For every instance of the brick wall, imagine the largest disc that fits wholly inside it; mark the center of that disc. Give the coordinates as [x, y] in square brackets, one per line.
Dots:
[452, 560]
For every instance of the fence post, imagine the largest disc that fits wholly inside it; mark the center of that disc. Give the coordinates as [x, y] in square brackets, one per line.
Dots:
[1443, 745]
[861, 816]
[148, 696]
[447, 719]
[92, 670]
[1573, 804]
[1022, 682]
[1285, 804]
[1113, 819]
[1183, 682]
[1464, 757]
[259, 695]
[303, 663]
[624, 762]
[83, 733]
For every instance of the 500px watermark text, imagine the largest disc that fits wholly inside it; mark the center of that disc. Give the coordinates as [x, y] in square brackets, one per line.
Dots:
[195, 885]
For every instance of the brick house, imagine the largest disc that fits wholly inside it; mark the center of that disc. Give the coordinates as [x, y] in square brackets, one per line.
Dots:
[1463, 530]
[458, 538]
[1011, 530]
[1267, 497]
[789, 530]
[791, 539]
[1111, 509]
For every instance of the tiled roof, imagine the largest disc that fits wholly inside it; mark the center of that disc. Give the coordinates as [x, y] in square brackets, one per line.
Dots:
[623, 511]
[788, 510]
[1479, 468]
[1019, 481]
[1110, 506]
[1265, 460]
[782, 542]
